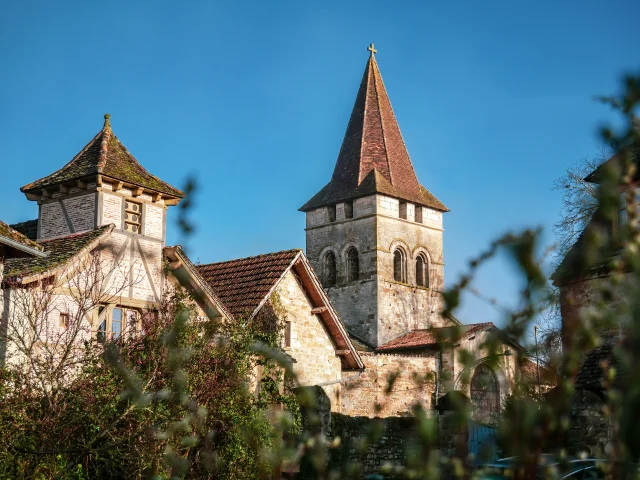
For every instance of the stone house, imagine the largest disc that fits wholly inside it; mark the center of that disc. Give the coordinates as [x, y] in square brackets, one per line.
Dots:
[374, 235]
[101, 228]
[585, 280]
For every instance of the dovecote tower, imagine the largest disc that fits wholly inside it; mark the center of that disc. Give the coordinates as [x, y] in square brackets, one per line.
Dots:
[374, 233]
[104, 184]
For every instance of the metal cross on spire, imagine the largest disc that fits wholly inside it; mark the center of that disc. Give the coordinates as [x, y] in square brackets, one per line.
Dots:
[372, 49]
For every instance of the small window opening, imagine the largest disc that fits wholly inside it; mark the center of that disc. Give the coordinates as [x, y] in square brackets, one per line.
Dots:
[64, 320]
[353, 265]
[132, 216]
[101, 334]
[403, 210]
[418, 214]
[332, 213]
[348, 209]
[399, 266]
[116, 322]
[287, 334]
[329, 268]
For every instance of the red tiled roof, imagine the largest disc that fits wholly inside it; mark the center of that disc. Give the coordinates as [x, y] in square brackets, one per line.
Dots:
[373, 157]
[243, 283]
[105, 155]
[433, 337]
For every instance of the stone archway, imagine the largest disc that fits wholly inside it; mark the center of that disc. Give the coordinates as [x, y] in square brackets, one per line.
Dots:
[485, 395]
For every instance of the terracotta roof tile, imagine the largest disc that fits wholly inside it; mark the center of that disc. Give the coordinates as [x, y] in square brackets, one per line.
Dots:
[433, 337]
[243, 283]
[12, 234]
[105, 155]
[373, 157]
[59, 251]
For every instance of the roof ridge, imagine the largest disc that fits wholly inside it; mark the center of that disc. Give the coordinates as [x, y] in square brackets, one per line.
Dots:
[384, 138]
[249, 258]
[104, 146]
[76, 234]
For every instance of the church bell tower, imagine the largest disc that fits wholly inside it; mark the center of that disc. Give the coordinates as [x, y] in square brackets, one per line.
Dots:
[374, 233]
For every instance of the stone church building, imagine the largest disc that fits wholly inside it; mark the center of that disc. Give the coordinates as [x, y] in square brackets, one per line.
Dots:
[362, 303]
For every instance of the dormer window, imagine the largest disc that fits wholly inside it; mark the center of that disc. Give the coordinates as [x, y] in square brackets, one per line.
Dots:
[132, 216]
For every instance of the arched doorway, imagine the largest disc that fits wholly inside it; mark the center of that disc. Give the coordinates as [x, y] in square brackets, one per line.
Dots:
[485, 395]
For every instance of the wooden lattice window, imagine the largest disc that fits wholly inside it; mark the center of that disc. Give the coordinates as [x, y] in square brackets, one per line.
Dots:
[329, 269]
[113, 324]
[132, 216]
[353, 265]
[64, 320]
[399, 266]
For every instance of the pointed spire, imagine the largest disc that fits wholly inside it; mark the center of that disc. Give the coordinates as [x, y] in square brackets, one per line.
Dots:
[107, 122]
[373, 142]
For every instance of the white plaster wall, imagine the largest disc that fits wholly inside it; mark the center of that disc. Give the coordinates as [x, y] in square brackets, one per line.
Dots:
[111, 209]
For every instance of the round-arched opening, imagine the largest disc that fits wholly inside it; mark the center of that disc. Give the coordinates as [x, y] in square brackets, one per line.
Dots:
[485, 395]
[399, 266]
[329, 269]
[422, 271]
[353, 265]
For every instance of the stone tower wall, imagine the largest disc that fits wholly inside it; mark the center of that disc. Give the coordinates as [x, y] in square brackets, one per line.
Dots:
[377, 308]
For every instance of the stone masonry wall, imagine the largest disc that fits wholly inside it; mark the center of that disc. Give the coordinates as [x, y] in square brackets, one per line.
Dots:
[315, 356]
[383, 309]
[360, 396]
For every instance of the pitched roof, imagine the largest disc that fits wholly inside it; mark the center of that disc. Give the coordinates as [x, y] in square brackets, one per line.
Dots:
[11, 235]
[244, 283]
[433, 337]
[373, 157]
[28, 228]
[105, 155]
[58, 252]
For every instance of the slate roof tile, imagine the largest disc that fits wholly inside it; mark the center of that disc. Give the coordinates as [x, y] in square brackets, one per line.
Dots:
[373, 157]
[59, 251]
[105, 155]
[28, 228]
[12, 234]
[243, 283]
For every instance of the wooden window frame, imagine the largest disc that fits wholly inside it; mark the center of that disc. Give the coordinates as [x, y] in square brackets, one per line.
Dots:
[63, 320]
[132, 218]
[105, 323]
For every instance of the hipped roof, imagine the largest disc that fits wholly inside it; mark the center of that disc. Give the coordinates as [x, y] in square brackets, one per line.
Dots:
[105, 155]
[373, 157]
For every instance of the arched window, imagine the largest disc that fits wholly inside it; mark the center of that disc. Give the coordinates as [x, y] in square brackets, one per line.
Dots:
[329, 269]
[485, 395]
[422, 271]
[353, 265]
[399, 266]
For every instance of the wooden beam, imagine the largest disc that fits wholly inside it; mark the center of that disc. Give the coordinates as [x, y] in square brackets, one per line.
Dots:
[156, 197]
[137, 191]
[118, 186]
[343, 352]
[46, 193]
[81, 184]
[317, 310]
[99, 181]
[64, 188]
[175, 264]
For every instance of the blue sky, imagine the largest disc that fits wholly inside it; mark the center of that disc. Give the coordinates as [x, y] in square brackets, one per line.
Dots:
[494, 100]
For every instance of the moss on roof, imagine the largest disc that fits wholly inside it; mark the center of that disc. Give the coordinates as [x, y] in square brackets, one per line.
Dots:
[105, 155]
[8, 232]
[59, 251]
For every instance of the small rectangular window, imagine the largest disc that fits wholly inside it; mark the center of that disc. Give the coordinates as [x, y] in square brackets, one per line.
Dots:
[403, 210]
[116, 322]
[132, 216]
[64, 320]
[418, 214]
[348, 209]
[287, 334]
[332, 213]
